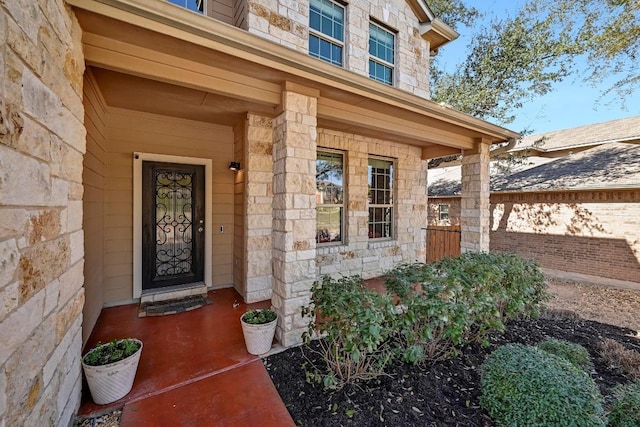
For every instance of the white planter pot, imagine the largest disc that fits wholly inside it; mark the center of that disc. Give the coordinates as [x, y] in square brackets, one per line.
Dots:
[113, 381]
[258, 338]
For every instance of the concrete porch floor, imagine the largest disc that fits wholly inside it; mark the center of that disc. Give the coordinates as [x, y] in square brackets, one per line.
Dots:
[194, 368]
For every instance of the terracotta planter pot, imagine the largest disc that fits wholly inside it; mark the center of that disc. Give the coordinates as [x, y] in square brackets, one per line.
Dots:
[113, 381]
[258, 338]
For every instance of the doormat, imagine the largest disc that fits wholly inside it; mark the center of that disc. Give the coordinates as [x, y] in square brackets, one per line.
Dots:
[173, 306]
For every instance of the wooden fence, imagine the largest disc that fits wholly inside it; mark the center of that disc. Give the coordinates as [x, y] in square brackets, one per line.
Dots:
[442, 241]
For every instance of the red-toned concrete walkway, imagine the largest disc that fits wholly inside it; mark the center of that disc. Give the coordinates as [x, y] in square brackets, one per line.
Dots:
[194, 368]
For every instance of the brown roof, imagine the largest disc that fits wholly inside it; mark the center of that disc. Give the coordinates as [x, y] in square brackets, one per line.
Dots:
[600, 133]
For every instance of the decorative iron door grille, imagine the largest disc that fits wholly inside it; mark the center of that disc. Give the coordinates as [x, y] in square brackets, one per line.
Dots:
[172, 224]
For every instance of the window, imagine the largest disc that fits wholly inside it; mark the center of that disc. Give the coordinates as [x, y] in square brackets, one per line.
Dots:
[329, 197]
[193, 5]
[443, 212]
[381, 54]
[326, 30]
[380, 198]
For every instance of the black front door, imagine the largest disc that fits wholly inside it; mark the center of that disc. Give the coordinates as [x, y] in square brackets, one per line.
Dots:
[172, 224]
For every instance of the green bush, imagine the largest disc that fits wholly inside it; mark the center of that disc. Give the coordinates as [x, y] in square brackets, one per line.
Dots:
[355, 324]
[574, 353]
[456, 300]
[525, 386]
[624, 405]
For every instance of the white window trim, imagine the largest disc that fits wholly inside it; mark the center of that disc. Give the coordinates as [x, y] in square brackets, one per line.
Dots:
[330, 39]
[138, 158]
[440, 206]
[382, 61]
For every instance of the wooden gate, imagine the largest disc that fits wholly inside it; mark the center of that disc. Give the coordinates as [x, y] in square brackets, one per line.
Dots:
[442, 241]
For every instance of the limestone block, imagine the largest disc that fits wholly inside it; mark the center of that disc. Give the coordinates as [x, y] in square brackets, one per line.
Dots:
[68, 315]
[9, 299]
[70, 282]
[44, 225]
[27, 361]
[45, 106]
[71, 379]
[20, 324]
[9, 261]
[26, 173]
[26, 49]
[51, 299]
[33, 139]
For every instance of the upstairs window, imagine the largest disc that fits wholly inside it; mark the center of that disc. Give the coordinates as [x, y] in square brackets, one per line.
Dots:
[326, 30]
[380, 198]
[382, 44]
[329, 197]
[193, 5]
[443, 212]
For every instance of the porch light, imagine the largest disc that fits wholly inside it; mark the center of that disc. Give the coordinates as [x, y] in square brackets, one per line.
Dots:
[234, 166]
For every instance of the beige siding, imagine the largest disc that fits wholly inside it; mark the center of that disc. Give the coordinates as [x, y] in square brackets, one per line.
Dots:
[131, 132]
[239, 247]
[221, 10]
[93, 178]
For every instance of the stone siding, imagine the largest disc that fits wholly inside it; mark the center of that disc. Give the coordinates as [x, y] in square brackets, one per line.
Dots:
[286, 22]
[360, 255]
[596, 233]
[474, 200]
[42, 143]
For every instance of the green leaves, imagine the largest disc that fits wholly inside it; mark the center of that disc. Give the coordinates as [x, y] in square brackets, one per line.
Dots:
[259, 316]
[517, 58]
[113, 351]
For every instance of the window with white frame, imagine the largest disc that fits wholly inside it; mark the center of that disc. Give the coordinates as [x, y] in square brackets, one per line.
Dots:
[193, 5]
[329, 197]
[382, 46]
[381, 198]
[326, 30]
[443, 212]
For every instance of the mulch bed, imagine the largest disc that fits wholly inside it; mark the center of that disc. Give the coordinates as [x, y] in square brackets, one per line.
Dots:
[439, 394]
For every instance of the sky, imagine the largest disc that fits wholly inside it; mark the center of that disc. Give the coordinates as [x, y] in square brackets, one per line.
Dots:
[570, 104]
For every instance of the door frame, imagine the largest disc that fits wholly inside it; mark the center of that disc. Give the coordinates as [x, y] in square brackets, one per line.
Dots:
[138, 158]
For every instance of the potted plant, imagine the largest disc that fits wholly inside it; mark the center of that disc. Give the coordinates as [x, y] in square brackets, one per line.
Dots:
[111, 368]
[258, 328]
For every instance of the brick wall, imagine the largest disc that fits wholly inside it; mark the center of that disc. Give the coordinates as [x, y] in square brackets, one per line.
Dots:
[595, 233]
[42, 142]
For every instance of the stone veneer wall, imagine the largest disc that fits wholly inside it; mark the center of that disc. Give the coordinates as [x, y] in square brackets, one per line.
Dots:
[287, 22]
[258, 218]
[42, 142]
[360, 255]
[474, 210]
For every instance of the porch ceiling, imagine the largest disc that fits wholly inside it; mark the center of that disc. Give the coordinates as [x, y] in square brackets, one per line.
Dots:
[210, 71]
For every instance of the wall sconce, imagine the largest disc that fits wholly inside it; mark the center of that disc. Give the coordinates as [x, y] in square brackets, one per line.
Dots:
[234, 166]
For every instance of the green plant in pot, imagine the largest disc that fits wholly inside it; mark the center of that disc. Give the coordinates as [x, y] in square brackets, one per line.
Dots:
[110, 369]
[258, 328]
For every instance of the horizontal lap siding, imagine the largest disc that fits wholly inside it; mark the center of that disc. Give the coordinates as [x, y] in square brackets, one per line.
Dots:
[131, 132]
[93, 178]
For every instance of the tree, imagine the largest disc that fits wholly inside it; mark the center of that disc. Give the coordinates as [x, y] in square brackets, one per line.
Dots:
[515, 59]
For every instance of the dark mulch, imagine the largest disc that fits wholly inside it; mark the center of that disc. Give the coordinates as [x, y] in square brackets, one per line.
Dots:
[440, 394]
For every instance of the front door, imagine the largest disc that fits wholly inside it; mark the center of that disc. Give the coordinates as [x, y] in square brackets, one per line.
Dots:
[172, 224]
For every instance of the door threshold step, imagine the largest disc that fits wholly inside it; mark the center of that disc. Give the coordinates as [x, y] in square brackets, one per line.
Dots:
[172, 306]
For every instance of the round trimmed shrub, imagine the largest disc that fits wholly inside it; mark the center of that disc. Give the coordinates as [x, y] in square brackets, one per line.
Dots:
[525, 386]
[624, 405]
[574, 353]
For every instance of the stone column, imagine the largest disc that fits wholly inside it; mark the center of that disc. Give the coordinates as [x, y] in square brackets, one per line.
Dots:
[259, 216]
[474, 214]
[294, 204]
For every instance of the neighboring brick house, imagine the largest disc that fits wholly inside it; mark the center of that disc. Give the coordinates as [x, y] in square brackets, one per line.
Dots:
[576, 211]
[119, 120]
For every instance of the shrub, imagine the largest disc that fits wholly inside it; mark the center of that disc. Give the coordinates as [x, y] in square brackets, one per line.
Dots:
[356, 326]
[526, 386]
[624, 405]
[618, 357]
[455, 300]
[574, 353]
